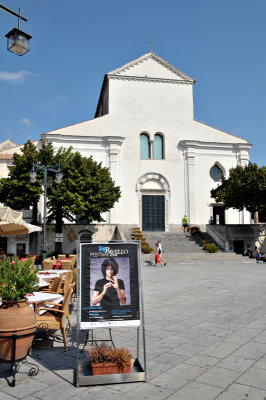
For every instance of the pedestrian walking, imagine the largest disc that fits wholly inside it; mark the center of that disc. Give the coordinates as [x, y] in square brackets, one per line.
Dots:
[160, 252]
[184, 223]
[157, 255]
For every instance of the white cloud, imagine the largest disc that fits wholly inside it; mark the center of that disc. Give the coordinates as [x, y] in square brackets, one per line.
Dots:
[25, 122]
[13, 77]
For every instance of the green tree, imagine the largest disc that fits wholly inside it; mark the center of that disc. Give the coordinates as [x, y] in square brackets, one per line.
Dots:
[16, 191]
[87, 188]
[244, 188]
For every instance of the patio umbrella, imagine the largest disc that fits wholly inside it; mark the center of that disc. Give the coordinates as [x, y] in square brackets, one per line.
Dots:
[11, 223]
[9, 215]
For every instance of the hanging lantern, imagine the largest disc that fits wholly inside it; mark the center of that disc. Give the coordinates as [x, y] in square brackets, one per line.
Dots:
[18, 41]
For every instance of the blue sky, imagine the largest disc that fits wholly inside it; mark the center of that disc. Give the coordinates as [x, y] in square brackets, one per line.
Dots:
[220, 44]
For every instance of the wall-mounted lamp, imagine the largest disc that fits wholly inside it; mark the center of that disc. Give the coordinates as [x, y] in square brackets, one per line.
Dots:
[17, 41]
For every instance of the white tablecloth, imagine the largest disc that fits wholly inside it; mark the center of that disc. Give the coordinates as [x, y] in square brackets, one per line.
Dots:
[52, 271]
[46, 278]
[38, 298]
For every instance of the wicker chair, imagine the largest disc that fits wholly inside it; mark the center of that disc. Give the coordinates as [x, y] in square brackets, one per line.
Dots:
[33, 258]
[54, 318]
[55, 286]
[67, 264]
[47, 264]
[61, 256]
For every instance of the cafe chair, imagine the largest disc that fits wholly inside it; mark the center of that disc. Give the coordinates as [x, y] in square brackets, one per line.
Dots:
[66, 264]
[47, 264]
[33, 258]
[55, 286]
[54, 318]
[73, 258]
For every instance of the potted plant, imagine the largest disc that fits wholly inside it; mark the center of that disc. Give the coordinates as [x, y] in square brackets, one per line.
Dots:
[17, 278]
[105, 360]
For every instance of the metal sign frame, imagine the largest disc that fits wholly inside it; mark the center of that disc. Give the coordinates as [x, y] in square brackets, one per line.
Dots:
[138, 372]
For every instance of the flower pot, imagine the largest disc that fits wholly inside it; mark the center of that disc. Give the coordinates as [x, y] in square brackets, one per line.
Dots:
[19, 318]
[109, 368]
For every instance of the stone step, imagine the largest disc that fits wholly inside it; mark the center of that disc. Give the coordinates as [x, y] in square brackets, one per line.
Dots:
[201, 257]
[174, 242]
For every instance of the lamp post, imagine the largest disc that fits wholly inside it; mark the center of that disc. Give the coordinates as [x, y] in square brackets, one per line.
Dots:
[45, 182]
[17, 41]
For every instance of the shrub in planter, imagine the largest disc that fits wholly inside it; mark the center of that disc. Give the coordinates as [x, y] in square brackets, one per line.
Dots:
[197, 233]
[146, 249]
[211, 248]
[135, 230]
[194, 228]
[138, 235]
[17, 278]
[105, 360]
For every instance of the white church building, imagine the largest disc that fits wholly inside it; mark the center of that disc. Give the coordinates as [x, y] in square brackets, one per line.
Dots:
[165, 162]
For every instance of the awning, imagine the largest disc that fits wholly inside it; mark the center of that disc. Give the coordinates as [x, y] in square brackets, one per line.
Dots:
[9, 215]
[11, 223]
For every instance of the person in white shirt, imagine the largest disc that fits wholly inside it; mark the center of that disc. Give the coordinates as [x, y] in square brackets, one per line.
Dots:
[160, 252]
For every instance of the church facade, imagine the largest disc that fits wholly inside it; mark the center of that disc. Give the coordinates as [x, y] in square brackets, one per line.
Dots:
[165, 162]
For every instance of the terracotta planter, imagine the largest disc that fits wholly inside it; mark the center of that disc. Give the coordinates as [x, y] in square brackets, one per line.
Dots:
[21, 318]
[109, 368]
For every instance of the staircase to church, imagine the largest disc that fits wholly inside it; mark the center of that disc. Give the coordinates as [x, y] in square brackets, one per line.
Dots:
[180, 247]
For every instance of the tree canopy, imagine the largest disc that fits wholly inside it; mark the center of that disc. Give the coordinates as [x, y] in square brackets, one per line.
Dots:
[16, 190]
[87, 188]
[244, 188]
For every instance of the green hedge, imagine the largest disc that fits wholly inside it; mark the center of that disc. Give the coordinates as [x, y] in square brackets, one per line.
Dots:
[211, 248]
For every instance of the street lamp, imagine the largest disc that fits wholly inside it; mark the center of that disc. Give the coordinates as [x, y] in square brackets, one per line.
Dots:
[45, 182]
[17, 41]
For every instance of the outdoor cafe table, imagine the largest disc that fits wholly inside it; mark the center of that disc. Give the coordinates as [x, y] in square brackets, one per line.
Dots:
[44, 280]
[38, 298]
[49, 274]
[51, 271]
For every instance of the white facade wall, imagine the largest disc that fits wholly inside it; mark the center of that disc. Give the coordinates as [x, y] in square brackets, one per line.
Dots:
[150, 96]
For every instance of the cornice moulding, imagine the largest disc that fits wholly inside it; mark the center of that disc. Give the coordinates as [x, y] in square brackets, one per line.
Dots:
[188, 144]
[156, 58]
[85, 139]
[148, 79]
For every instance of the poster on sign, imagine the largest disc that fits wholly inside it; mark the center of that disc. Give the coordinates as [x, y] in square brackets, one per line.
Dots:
[109, 285]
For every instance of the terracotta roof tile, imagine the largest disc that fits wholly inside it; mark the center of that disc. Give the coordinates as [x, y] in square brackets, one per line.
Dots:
[6, 156]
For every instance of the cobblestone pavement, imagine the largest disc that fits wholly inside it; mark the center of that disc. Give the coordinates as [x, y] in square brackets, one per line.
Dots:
[205, 329]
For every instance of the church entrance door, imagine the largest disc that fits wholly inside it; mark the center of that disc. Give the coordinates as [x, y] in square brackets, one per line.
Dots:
[219, 215]
[153, 213]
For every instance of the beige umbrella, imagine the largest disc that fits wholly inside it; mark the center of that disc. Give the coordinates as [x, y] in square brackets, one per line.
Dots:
[9, 215]
[11, 223]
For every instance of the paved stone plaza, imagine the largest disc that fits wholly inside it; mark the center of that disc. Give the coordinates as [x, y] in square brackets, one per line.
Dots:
[205, 339]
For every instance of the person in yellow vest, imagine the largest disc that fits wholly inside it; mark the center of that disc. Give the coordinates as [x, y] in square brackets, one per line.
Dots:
[184, 223]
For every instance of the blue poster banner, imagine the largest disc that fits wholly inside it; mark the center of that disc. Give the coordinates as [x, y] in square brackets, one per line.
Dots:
[109, 285]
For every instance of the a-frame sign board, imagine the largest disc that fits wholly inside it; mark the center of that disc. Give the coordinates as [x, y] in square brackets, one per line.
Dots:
[110, 295]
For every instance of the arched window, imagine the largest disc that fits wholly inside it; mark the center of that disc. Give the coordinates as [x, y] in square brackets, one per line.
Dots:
[144, 147]
[158, 147]
[216, 173]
